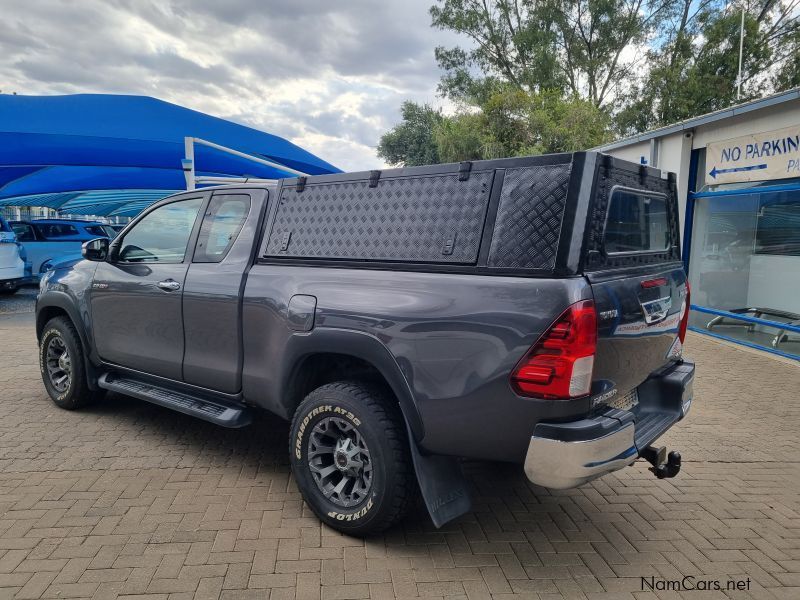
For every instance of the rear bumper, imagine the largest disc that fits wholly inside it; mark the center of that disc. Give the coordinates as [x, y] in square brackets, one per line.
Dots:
[11, 277]
[566, 455]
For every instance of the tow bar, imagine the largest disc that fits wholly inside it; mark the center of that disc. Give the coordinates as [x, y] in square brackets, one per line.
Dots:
[664, 465]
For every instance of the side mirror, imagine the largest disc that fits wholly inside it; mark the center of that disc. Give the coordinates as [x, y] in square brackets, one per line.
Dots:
[95, 250]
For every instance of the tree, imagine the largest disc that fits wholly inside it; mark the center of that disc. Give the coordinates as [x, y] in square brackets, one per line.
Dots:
[412, 141]
[462, 137]
[567, 124]
[575, 46]
[563, 75]
[695, 70]
[509, 123]
[788, 76]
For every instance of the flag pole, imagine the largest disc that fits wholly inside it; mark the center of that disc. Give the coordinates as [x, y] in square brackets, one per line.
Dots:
[741, 48]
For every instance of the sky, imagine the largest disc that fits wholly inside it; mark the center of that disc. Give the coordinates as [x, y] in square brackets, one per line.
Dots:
[329, 75]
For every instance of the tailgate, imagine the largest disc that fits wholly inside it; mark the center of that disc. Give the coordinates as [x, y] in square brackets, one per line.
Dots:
[638, 321]
[633, 265]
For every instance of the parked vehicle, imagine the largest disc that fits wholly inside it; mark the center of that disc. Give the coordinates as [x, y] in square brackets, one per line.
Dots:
[46, 240]
[12, 267]
[526, 310]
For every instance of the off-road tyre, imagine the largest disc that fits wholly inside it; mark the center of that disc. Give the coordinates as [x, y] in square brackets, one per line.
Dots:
[60, 332]
[375, 418]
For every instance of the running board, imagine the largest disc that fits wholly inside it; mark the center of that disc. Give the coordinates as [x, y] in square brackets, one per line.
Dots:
[207, 410]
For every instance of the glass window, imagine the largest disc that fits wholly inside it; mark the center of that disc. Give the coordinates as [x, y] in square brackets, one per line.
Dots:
[24, 232]
[222, 223]
[98, 230]
[53, 231]
[778, 226]
[637, 222]
[744, 258]
[162, 235]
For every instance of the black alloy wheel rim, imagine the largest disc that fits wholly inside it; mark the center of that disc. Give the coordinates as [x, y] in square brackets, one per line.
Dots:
[59, 364]
[340, 462]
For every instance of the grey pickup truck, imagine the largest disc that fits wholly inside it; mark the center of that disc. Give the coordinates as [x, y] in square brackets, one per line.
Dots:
[528, 310]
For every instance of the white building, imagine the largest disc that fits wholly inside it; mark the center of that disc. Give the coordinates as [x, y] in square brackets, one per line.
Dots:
[738, 173]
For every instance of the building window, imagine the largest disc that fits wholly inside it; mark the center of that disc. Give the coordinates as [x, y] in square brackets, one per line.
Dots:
[745, 259]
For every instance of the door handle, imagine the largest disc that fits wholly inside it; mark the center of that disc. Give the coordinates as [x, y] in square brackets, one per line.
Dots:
[169, 285]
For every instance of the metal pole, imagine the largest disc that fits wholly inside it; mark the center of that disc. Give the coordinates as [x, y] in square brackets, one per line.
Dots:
[188, 162]
[223, 180]
[262, 161]
[741, 48]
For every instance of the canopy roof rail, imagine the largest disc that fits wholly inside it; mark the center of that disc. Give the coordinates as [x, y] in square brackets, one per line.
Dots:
[189, 167]
[224, 180]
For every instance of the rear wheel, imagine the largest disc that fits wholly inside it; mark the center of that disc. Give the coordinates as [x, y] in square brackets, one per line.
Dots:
[350, 457]
[61, 362]
[7, 289]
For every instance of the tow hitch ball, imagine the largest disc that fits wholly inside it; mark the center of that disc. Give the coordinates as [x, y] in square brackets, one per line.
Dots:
[663, 465]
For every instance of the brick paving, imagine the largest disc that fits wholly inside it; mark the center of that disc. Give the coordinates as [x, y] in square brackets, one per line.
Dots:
[128, 500]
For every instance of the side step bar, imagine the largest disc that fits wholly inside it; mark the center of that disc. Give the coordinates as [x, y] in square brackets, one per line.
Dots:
[219, 414]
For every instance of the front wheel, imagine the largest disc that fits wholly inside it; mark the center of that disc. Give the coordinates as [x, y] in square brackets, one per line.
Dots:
[350, 457]
[61, 362]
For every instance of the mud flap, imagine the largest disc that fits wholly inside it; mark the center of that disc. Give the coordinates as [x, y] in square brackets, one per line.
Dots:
[442, 483]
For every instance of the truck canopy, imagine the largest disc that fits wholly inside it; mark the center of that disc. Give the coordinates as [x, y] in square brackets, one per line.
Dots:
[561, 214]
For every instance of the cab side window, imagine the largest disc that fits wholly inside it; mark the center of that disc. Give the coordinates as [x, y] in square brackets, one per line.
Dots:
[163, 235]
[222, 223]
[54, 231]
[24, 232]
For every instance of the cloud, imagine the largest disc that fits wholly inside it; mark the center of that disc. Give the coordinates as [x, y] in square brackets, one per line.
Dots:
[330, 76]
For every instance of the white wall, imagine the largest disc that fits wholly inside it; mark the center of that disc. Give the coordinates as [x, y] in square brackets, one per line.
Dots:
[633, 153]
[766, 119]
[674, 154]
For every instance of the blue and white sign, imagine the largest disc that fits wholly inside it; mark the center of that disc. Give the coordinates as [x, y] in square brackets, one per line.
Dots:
[758, 157]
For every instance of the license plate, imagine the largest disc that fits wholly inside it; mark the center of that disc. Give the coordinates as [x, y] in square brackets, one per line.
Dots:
[626, 402]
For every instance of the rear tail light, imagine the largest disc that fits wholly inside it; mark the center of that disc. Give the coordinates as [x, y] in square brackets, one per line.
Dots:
[684, 314]
[560, 363]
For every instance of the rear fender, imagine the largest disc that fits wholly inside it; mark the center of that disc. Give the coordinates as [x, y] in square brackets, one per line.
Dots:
[349, 343]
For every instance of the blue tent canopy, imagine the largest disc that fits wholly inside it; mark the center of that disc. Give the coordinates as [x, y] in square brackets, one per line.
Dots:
[99, 203]
[107, 142]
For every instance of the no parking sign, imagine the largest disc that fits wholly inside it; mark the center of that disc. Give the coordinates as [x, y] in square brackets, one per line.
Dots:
[757, 157]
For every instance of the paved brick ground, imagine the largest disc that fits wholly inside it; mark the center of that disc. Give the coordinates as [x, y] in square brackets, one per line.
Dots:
[129, 500]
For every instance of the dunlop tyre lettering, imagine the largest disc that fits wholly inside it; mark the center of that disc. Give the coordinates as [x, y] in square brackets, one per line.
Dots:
[376, 415]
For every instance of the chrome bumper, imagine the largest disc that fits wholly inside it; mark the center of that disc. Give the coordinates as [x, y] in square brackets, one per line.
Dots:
[560, 465]
[566, 455]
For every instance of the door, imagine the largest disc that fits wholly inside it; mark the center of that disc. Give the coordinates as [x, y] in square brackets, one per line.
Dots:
[136, 295]
[212, 294]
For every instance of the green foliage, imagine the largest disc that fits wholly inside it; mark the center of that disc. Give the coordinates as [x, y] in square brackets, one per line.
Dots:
[695, 70]
[573, 46]
[562, 75]
[461, 137]
[509, 123]
[567, 124]
[411, 142]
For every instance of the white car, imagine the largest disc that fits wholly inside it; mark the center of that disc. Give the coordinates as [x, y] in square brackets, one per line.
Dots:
[12, 266]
